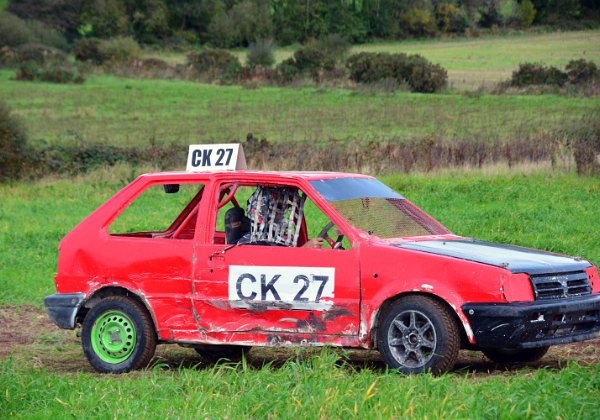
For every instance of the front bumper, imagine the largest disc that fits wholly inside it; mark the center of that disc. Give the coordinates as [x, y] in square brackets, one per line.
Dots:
[62, 308]
[534, 324]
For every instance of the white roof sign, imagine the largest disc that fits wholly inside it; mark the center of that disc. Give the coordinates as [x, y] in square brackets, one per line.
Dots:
[211, 157]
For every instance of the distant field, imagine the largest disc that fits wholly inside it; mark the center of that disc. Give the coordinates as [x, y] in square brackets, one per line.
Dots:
[132, 112]
[473, 62]
[486, 61]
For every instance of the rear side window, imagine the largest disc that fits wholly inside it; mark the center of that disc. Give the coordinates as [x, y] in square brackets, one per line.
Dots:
[165, 211]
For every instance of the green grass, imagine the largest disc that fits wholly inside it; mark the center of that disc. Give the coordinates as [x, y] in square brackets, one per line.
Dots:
[132, 112]
[313, 387]
[553, 212]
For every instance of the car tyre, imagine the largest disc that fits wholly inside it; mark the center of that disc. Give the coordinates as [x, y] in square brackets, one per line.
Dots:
[214, 353]
[516, 355]
[419, 334]
[118, 335]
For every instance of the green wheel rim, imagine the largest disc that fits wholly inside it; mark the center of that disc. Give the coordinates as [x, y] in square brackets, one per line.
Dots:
[113, 337]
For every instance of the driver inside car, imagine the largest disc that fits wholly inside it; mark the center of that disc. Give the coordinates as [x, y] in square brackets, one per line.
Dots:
[274, 216]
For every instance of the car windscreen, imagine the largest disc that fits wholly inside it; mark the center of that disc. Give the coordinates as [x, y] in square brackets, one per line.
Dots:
[373, 207]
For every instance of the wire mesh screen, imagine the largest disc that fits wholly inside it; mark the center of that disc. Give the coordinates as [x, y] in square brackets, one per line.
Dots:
[388, 217]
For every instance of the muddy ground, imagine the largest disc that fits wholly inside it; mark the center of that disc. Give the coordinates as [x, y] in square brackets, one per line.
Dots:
[29, 337]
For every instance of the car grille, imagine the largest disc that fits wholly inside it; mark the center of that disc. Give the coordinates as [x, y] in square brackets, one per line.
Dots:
[560, 285]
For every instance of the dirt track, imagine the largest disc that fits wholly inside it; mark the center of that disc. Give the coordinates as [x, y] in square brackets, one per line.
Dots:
[28, 336]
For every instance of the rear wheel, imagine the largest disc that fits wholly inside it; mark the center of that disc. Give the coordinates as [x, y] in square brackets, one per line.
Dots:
[418, 334]
[515, 355]
[214, 353]
[118, 335]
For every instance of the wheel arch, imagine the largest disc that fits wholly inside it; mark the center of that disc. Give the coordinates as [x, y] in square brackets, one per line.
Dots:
[389, 302]
[108, 291]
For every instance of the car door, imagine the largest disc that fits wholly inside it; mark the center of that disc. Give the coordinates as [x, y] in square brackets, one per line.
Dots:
[275, 289]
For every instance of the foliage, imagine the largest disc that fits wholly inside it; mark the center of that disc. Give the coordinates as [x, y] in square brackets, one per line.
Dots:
[582, 71]
[537, 74]
[100, 51]
[50, 71]
[450, 19]
[216, 64]
[489, 15]
[525, 11]
[585, 136]
[15, 31]
[243, 24]
[417, 22]
[419, 73]
[63, 16]
[38, 53]
[88, 49]
[119, 49]
[315, 57]
[287, 70]
[260, 53]
[13, 145]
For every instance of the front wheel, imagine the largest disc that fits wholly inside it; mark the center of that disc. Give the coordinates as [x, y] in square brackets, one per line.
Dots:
[418, 334]
[118, 335]
[516, 355]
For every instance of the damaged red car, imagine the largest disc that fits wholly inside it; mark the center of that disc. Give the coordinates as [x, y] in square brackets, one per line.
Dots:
[224, 261]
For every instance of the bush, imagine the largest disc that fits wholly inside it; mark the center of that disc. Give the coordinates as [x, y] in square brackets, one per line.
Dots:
[311, 58]
[419, 73]
[585, 135]
[88, 49]
[537, 74]
[38, 53]
[418, 22]
[427, 78]
[335, 47]
[114, 50]
[52, 71]
[13, 151]
[287, 70]
[449, 18]
[525, 13]
[215, 64]
[317, 56]
[582, 71]
[15, 31]
[119, 49]
[261, 53]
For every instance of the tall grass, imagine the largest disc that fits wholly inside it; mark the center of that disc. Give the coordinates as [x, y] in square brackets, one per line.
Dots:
[314, 387]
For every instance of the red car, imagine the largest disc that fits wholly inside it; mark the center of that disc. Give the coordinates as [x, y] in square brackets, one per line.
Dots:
[223, 261]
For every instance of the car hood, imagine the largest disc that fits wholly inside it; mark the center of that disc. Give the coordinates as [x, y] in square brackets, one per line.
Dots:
[513, 258]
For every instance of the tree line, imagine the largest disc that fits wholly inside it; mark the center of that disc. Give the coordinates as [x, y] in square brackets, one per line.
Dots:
[238, 23]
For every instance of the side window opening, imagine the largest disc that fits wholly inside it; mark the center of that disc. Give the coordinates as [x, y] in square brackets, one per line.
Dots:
[161, 211]
[234, 222]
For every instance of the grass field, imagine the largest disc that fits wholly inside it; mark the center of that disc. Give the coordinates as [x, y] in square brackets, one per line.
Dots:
[51, 378]
[43, 372]
[475, 62]
[312, 387]
[554, 212]
[132, 112]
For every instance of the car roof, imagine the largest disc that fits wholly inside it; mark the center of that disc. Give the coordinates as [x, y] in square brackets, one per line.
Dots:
[247, 174]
